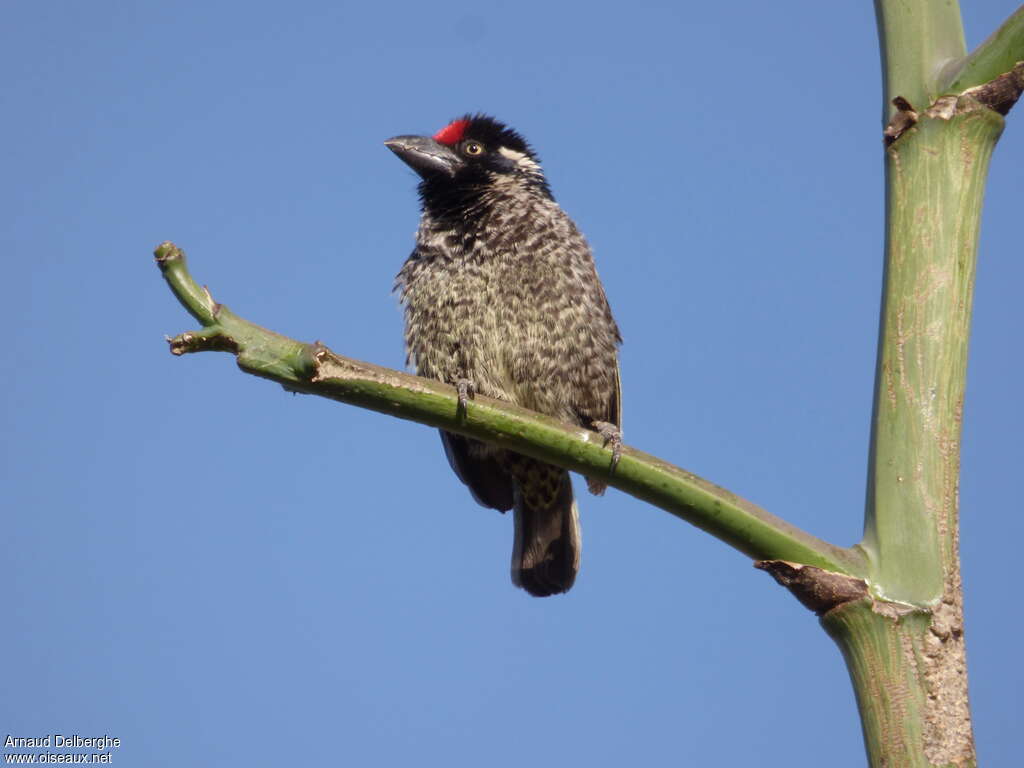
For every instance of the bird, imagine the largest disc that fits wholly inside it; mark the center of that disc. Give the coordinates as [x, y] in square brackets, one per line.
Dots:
[501, 298]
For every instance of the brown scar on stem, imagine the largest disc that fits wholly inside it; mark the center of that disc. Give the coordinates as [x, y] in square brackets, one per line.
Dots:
[817, 589]
[1002, 92]
[901, 122]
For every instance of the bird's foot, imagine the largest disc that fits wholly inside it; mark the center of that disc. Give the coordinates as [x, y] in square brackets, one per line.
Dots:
[612, 435]
[467, 391]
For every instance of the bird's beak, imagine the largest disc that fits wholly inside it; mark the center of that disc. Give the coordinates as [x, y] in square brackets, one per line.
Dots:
[424, 155]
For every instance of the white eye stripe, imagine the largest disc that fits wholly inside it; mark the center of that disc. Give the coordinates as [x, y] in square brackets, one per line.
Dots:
[519, 158]
[511, 154]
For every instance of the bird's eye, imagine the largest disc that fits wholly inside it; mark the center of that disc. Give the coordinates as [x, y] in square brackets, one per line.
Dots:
[473, 148]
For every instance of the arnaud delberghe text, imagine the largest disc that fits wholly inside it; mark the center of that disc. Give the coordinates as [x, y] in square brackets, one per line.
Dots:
[60, 741]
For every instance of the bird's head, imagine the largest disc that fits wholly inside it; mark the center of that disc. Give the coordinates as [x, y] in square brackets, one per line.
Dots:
[470, 155]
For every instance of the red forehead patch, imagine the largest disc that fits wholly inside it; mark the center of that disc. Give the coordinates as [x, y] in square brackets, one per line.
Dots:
[452, 133]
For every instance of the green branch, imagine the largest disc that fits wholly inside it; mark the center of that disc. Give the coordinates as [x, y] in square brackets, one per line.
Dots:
[314, 369]
[996, 56]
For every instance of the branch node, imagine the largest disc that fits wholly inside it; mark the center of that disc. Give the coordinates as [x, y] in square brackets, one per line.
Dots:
[207, 340]
[999, 95]
[817, 589]
[310, 359]
[214, 306]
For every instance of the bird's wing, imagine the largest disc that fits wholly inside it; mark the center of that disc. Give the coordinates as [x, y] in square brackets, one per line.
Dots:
[490, 485]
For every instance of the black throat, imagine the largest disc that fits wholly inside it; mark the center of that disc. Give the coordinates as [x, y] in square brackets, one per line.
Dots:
[475, 196]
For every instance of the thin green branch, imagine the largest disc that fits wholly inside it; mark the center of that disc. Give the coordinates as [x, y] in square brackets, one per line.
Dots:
[997, 55]
[314, 369]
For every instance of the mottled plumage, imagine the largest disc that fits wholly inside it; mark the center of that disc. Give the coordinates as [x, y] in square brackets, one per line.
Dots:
[501, 293]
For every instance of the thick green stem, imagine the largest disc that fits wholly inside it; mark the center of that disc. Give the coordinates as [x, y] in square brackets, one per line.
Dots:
[903, 643]
[936, 179]
[920, 40]
[909, 672]
[905, 650]
[316, 370]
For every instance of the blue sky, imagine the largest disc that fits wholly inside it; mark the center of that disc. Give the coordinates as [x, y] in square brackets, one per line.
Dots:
[220, 573]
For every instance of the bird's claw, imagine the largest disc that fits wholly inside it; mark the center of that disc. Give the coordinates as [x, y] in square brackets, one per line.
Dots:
[467, 390]
[612, 435]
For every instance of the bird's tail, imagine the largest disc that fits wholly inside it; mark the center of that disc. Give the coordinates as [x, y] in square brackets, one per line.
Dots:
[546, 551]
